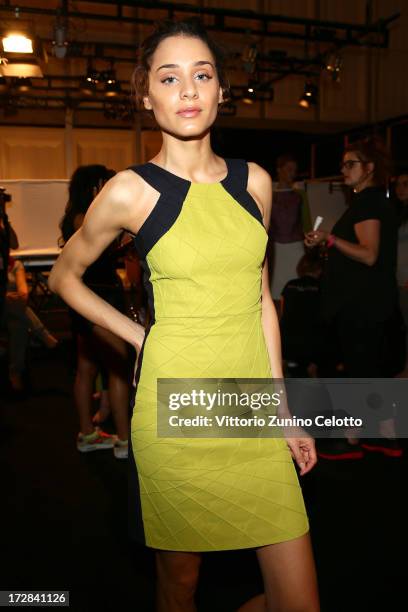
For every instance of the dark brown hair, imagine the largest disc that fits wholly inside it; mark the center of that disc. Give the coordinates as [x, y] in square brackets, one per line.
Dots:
[285, 159]
[310, 263]
[192, 28]
[372, 150]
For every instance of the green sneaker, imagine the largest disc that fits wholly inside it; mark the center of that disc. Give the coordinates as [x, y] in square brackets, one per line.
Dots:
[97, 440]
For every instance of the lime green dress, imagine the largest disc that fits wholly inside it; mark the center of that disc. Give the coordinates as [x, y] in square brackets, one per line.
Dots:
[202, 249]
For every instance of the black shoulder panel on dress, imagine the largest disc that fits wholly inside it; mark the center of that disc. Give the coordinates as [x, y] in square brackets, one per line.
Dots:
[236, 184]
[173, 191]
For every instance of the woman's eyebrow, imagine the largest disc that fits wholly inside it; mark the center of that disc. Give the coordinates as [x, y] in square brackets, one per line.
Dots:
[199, 63]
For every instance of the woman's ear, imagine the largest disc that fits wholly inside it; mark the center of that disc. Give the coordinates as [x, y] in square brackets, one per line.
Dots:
[370, 167]
[147, 103]
[220, 96]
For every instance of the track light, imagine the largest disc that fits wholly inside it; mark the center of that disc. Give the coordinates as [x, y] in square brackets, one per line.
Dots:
[112, 87]
[333, 65]
[92, 76]
[87, 87]
[309, 97]
[249, 96]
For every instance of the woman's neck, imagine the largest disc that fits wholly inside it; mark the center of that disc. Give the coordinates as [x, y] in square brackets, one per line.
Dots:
[284, 185]
[366, 183]
[193, 159]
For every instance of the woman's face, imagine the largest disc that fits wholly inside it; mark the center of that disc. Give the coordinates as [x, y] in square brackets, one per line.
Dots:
[354, 171]
[401, 188]
[287, 173]
[184, 91]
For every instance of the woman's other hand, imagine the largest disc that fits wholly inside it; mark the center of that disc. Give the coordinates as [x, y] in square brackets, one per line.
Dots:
[303, 451]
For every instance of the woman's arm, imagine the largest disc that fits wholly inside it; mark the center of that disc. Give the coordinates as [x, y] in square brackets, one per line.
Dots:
[301, 446]
[260, 187]
[366, 251]
[114, 208]
[21, 283]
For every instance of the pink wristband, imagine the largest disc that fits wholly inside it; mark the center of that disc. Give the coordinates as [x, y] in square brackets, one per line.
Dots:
[330, 241]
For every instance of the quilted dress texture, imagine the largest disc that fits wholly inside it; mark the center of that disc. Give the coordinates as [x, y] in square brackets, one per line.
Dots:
[202, 250]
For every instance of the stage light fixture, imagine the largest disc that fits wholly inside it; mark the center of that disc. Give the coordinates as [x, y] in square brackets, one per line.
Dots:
[333, 65]
[24, 53]
[60, 43]
[112, 86]
[87, 87]
[309, 97]
[249, 95]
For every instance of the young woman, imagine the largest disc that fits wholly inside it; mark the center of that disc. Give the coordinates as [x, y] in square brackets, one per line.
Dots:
[359, 290]
[21, 321]
[200, 226]
[290, 219]
[97, 347]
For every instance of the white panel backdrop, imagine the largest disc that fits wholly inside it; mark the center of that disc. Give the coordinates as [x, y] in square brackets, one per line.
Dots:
[36, 210]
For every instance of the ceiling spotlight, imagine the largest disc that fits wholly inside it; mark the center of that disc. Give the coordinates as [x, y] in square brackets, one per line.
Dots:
[309, 97]
[112, 86]
[16, 42]
[249, 95]
[92, 76]
[87, 87]
[333, 65]
[112, 89]
[22, 84]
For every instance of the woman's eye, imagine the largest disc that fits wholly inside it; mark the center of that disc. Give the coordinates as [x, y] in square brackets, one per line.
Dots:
[203, 76]
[169, 79]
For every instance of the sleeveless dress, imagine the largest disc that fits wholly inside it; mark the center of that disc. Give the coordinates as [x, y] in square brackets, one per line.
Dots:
[202, 248]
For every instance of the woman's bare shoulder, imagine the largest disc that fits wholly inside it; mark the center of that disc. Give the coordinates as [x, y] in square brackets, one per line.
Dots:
[256, 172]
[260, 186]
[125, 186]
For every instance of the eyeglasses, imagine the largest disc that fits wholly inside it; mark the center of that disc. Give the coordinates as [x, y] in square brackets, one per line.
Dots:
[350, 163]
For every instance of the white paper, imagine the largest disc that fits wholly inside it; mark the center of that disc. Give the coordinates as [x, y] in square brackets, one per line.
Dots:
[317, 223]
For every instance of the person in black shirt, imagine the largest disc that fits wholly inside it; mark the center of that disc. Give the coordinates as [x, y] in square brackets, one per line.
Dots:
[359, 289]
[301, 329]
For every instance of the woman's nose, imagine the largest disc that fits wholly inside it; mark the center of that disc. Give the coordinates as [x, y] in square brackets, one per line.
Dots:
[189, 90]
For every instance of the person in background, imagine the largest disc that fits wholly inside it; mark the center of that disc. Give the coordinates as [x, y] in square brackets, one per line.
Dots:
[8, 240]
[21, 321]
[401, 192]
[97, 348]
[300, 324]
[290, 220]
[359, 289]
